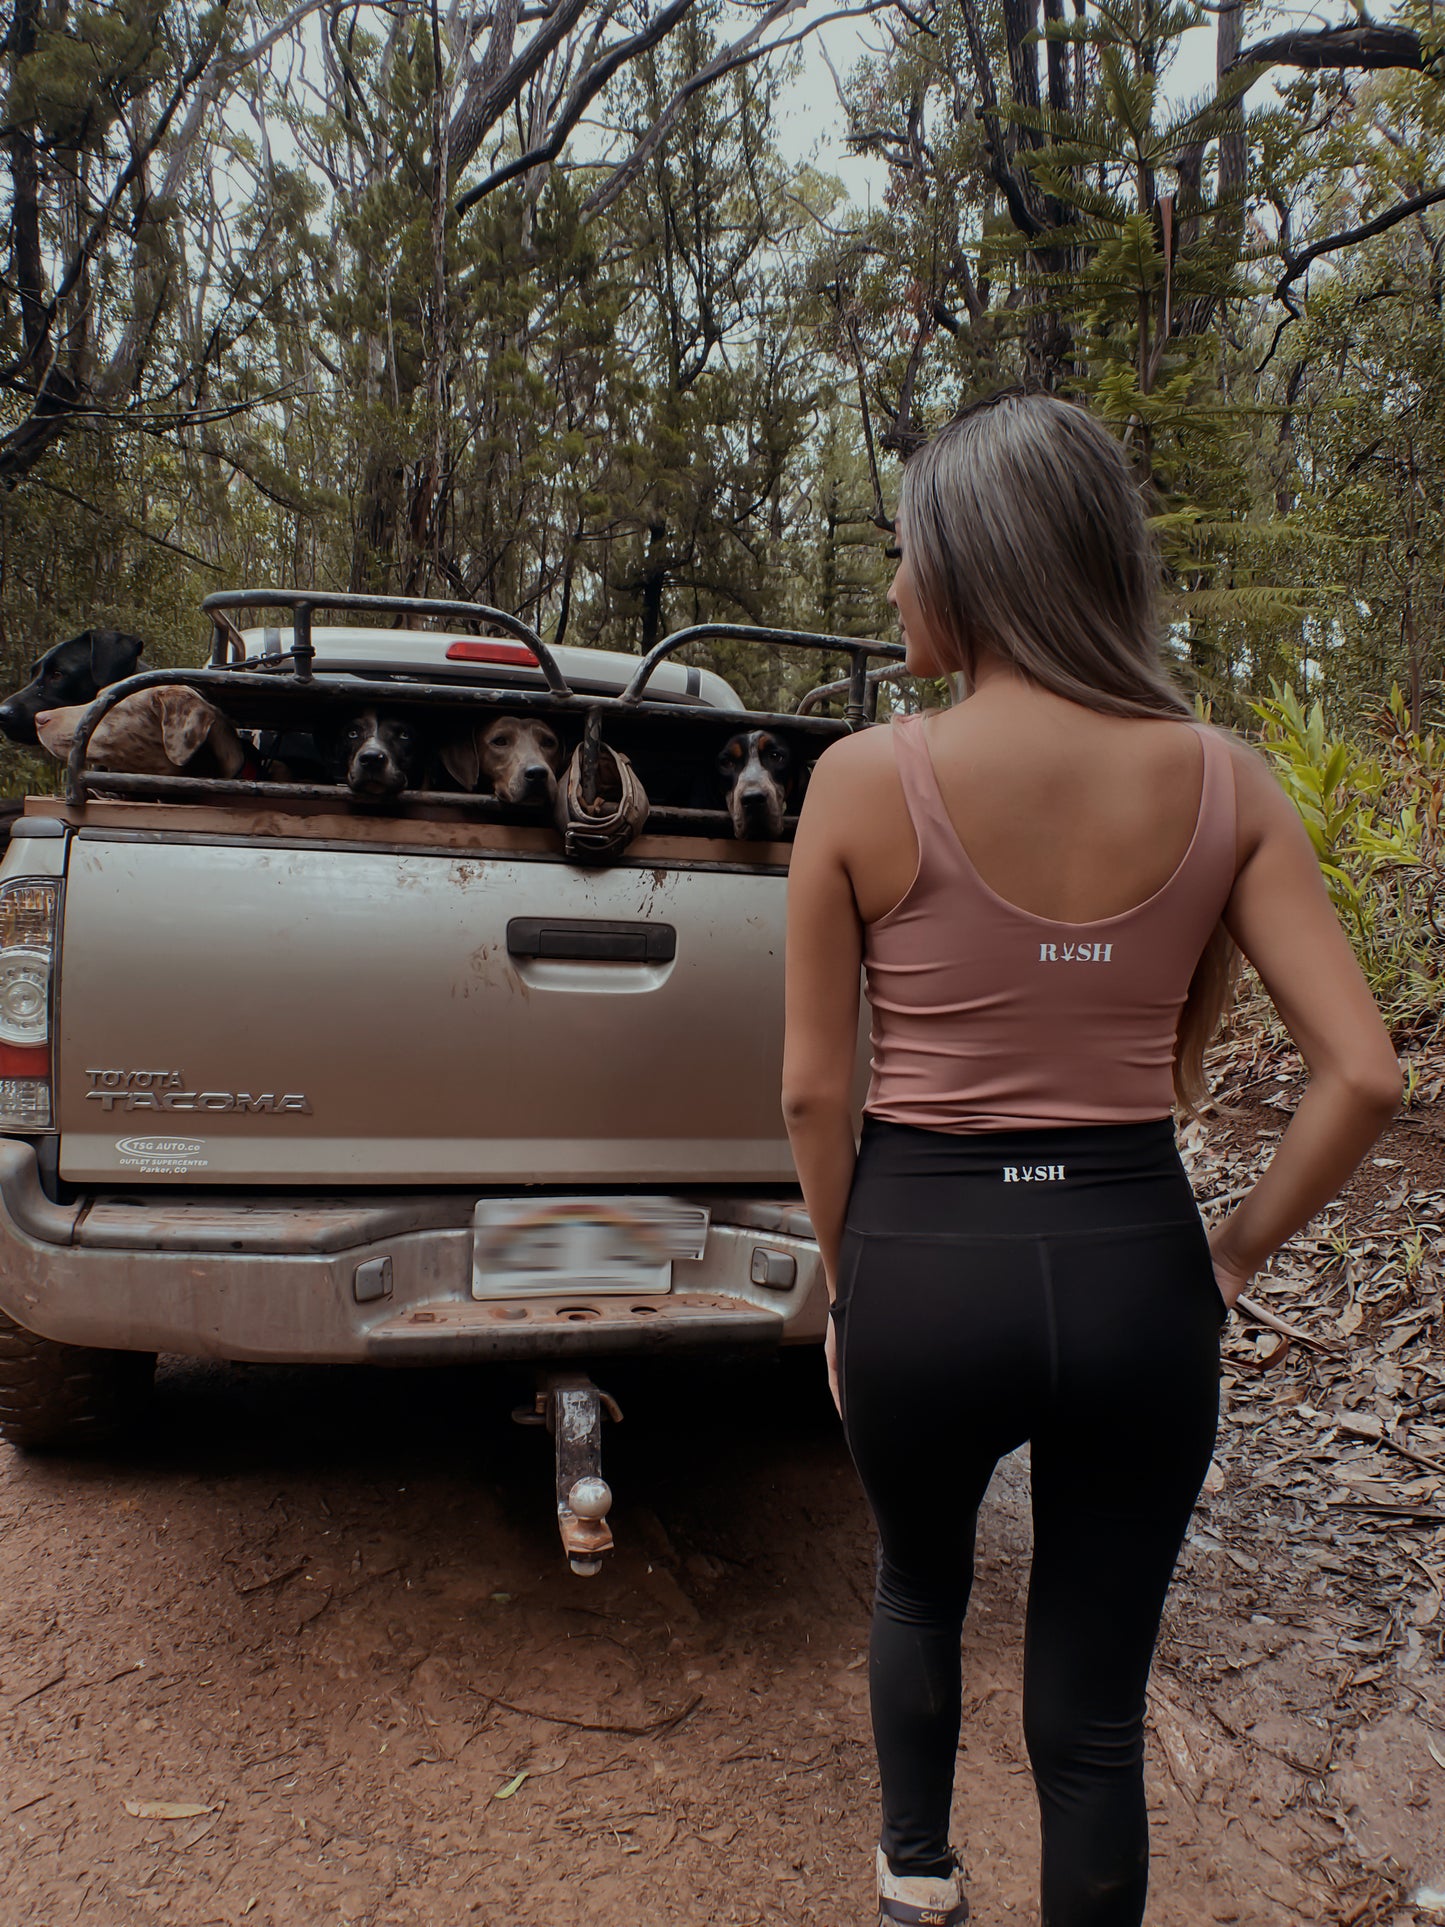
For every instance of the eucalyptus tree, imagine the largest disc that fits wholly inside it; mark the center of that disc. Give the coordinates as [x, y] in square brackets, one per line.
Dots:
[1360, 374]
[1055, 216]
[108, 112]
[707, 436]
[228, 219]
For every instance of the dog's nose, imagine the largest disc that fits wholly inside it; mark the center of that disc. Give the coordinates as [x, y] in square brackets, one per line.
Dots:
[370, 758]
[536, 776]
[15, 724]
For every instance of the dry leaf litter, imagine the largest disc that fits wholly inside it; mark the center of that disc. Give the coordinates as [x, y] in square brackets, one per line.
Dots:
[1324, 1509]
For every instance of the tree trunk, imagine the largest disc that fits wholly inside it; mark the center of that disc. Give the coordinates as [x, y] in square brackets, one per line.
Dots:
[1058, 55]
[373, 546]
[653, 584]
[1234, 146]
[29, 268]
[1020, 19]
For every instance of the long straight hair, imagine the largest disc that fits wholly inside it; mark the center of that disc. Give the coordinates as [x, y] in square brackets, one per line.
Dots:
[1026, 540]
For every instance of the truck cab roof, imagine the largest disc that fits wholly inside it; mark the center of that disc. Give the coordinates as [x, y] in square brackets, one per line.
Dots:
[442, 655]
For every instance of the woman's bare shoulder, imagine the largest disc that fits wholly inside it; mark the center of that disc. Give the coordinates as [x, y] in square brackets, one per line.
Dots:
[1248, 763]
[857, 759]
[854, 794]
[1262, 805]
[1254, 779]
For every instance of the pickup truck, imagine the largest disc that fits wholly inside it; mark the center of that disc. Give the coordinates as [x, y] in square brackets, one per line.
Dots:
[289, 1075]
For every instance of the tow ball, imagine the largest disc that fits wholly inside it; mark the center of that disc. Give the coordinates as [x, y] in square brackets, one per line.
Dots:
[572, 1409]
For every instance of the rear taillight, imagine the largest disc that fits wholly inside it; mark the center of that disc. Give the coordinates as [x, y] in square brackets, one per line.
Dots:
[469, 650]
[27, 956]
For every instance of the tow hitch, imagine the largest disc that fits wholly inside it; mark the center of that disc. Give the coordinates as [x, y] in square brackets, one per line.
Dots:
[572, 1408]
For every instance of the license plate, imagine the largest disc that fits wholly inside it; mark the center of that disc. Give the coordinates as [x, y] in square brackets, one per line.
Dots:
[594, 1244]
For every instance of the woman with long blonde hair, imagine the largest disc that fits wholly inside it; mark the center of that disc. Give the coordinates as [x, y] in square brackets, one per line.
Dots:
[1044, 886]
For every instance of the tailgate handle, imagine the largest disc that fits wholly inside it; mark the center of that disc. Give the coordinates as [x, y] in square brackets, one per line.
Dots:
[591, 940]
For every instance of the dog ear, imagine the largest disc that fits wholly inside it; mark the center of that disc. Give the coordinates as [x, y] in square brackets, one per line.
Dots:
[227, 747]
[461, 761]
[112, 655]
[186, 720]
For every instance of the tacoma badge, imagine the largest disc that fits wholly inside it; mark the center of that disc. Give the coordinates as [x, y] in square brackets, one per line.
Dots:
[166, 1091]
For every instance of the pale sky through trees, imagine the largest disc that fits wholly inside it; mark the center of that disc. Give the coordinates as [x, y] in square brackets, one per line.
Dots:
[813, 123]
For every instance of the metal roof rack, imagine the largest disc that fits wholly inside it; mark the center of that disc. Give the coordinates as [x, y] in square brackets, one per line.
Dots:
[270, 691]
[303, 603]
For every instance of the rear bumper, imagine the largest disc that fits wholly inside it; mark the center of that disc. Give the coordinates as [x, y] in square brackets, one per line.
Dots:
[275, 1279]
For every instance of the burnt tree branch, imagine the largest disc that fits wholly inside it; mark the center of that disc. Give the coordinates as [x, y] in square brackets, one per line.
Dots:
[585, 89]
[1026, 218]
[1365, 47]
[1296, 264]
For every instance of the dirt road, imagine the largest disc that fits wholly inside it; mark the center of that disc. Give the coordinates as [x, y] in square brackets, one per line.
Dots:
[327, 1610]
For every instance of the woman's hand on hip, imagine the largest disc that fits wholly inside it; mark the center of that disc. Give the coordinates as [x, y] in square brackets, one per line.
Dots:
[1230, 1277]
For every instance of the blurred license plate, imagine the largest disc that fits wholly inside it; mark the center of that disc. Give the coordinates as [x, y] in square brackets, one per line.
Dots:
[581, 1244]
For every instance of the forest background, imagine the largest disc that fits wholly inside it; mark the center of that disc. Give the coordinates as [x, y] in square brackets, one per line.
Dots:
[527, 303]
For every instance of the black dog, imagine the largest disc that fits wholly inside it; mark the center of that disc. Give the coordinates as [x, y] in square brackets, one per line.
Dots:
[760, 778]
[72, 672]
[374, 754]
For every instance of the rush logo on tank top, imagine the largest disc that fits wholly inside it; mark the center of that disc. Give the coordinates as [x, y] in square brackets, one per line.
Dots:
[1033, 1173]
[1075, 952]
[980, 1019]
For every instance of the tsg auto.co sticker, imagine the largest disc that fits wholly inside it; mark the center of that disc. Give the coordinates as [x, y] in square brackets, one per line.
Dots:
[162, 1156]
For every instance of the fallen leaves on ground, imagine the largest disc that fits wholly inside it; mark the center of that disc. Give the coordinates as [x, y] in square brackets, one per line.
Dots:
[1326, 1499]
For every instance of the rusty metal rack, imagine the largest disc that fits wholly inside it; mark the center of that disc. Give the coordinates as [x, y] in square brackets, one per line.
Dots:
[279, 690]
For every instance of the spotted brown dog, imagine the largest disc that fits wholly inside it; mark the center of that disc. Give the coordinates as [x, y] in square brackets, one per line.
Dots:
[156, 732]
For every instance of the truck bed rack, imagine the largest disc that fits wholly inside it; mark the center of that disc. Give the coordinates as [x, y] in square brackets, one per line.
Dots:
[282, 691]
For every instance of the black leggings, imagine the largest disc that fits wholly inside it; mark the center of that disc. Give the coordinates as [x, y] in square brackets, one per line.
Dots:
[1054, 1286]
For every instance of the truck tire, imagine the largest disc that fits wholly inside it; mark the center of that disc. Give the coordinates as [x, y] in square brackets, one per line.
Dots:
[54, 1395]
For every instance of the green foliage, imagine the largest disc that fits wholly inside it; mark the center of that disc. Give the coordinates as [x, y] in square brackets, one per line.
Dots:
[90, 62]
[684, 403]
[1374, 818]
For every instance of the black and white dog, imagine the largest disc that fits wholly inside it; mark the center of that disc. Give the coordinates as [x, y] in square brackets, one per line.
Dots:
[374, 753]
[72, 673]
[760, 779]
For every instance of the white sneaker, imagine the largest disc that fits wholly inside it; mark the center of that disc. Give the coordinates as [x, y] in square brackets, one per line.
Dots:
[915, 1900]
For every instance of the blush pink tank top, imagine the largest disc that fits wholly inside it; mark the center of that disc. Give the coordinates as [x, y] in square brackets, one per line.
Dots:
[989, 1018]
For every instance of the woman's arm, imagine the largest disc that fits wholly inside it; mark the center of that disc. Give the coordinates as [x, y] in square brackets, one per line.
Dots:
[824, 958]
[1281, 917]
